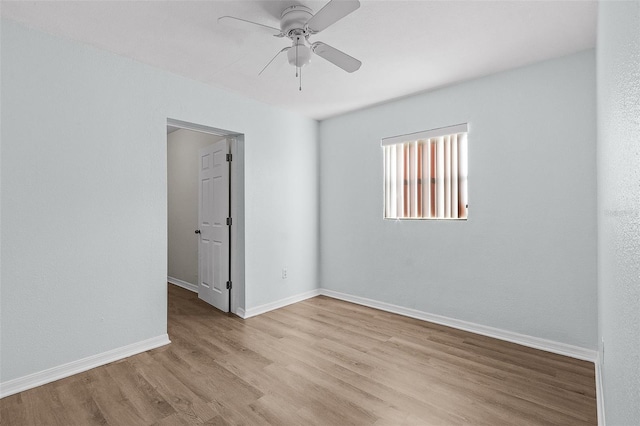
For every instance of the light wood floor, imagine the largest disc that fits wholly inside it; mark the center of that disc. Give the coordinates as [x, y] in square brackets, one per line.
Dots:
[320, 361]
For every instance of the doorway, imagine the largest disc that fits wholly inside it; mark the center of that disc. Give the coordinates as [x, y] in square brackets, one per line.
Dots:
[206, 253]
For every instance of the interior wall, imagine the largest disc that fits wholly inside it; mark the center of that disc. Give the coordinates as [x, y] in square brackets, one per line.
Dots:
[84, 197]
[182, 204]
[618, 58]
[525, 260]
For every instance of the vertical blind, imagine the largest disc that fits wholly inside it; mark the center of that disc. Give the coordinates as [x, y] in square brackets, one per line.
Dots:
[425, 174]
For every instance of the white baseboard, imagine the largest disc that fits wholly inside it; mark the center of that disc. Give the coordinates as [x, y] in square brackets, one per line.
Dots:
[183, 284]
[252, 312]
[509, 336]
[600, 393]
[65, 370]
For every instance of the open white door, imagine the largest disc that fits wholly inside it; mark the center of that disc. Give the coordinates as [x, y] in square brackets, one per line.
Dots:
[213, 227]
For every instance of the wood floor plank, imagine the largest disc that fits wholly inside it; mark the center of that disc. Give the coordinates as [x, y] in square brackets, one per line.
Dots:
[13, 410]
[318, 362]
[78, 403]
[276, 409]
[113, 403]
[151, 406]
[172, 389]
[512, 383]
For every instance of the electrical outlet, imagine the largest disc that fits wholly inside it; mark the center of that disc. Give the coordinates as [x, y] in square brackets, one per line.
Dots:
[284, 273]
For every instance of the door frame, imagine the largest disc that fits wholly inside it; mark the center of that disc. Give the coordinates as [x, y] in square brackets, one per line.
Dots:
[236, 251]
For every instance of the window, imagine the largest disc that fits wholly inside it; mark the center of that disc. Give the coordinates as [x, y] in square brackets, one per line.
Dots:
[425, 174]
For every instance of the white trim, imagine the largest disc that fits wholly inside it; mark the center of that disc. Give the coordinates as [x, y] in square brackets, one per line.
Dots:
[240, 312]
[599, 393]
[428, 134]
[237, 230]
[184, 284]
[509, 336]
[252, 312]
[198, 127]
[65, 370]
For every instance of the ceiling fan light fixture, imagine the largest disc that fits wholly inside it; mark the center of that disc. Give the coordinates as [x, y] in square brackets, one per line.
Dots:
[299, 55]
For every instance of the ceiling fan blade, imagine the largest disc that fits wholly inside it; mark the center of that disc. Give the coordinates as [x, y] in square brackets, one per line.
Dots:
[243, 24]
[331, 13]
[336, 57]
[274, 58]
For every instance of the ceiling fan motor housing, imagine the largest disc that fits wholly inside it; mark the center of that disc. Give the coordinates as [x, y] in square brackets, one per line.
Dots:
[294, 18]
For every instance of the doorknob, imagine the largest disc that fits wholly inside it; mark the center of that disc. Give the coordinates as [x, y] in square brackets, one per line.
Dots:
[197, 231]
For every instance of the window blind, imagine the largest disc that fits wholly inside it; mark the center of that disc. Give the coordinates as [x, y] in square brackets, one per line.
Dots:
[425, 174]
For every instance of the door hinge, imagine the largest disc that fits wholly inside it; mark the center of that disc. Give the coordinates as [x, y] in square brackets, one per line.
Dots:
[229, 221]
[228, 285]
[228, 157]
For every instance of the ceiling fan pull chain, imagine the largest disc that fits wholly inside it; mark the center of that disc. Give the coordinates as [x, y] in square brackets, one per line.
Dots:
[298, 68]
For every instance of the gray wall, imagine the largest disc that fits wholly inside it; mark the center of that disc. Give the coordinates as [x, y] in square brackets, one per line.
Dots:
[525, 261]
[182, 203]
[619, 208]
[84, 197]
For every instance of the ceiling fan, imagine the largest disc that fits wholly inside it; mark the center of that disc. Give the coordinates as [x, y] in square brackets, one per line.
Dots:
[298, 23]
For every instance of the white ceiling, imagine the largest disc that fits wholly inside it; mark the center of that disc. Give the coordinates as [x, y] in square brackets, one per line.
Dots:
[405, 46]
